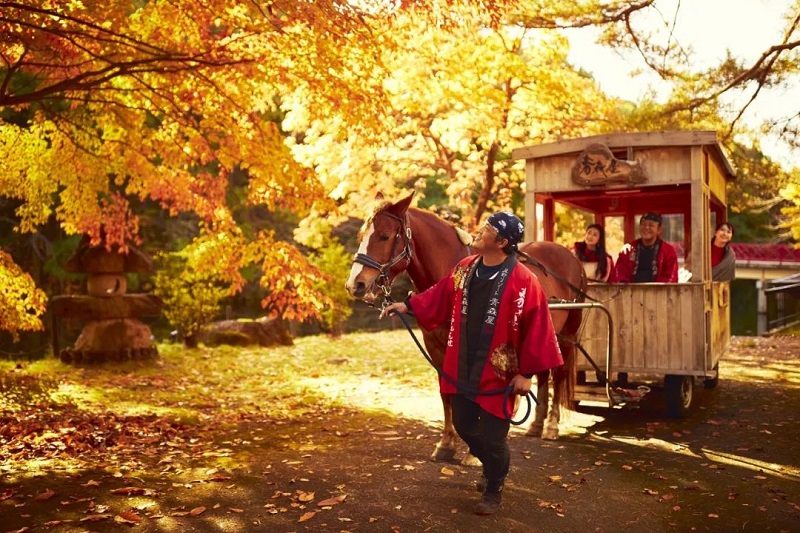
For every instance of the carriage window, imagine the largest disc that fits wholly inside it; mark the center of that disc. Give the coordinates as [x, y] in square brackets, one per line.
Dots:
[615, 234]
[571, 223]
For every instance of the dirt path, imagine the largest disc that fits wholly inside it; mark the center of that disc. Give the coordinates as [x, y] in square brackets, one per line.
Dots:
[731, 466]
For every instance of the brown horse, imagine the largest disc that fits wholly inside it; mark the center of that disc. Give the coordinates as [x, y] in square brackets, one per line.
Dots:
[397, 237]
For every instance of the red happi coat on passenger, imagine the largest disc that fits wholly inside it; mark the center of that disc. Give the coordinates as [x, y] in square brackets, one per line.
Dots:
[523, 327]
[666, 262]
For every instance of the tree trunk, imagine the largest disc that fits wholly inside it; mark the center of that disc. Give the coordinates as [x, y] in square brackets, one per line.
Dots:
[190, 341]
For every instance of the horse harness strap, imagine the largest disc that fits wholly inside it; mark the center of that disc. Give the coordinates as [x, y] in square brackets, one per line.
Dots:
[562, 279]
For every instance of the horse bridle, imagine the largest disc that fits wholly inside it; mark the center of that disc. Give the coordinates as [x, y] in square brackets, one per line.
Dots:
[382, 282]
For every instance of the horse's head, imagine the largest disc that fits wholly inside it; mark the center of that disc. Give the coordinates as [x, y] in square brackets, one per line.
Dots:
[384, 251]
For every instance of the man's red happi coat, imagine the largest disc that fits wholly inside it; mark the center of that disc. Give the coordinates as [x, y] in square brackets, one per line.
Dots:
[667, 263]
[523, 323]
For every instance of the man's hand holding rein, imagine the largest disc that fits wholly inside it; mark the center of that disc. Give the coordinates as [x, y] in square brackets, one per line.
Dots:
[399, 307]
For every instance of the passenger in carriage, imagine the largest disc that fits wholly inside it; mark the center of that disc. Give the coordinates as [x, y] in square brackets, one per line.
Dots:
[590, 250]
[649, 258]
[723, 258]
[501, 336]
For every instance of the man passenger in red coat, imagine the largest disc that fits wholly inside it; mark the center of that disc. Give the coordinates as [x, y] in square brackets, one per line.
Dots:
[648, 258]
[501, 334]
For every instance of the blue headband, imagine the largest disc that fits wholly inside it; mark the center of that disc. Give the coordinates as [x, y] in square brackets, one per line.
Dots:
[508, 226]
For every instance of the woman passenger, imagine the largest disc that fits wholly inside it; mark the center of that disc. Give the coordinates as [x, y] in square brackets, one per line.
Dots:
[723, 259]
[590, 250]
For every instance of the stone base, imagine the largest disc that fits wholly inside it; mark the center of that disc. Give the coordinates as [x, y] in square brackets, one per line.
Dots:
[261, 332]
[113, 335]
[123, 339]
[87, 357]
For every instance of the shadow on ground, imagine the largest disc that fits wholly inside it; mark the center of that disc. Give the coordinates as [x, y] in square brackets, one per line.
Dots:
[730, 466]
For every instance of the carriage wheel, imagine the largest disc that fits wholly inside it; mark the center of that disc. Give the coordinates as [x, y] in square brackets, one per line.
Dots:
[711, 383]
[679, 392]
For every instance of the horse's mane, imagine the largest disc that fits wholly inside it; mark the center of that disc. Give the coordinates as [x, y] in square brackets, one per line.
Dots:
[463, 236]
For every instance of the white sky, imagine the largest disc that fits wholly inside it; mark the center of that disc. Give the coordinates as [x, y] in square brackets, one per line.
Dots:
[708, 28]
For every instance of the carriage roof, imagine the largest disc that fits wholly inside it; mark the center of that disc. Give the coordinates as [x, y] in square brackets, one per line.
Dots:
[671, 146]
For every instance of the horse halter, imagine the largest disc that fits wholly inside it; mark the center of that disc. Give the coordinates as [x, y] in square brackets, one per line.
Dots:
[382, 281]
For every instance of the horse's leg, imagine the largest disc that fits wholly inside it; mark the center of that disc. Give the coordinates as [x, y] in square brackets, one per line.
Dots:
[446, 447]
[563, 389]
[550, 430]
[542, 397]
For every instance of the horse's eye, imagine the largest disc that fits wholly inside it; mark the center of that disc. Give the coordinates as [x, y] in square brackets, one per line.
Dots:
[384, 236]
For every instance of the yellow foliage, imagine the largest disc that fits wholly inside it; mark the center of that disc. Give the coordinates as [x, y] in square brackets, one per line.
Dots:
[460, 98]
[21, 302]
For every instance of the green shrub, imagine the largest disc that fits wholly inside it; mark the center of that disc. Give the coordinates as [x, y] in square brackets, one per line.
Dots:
[191, 299]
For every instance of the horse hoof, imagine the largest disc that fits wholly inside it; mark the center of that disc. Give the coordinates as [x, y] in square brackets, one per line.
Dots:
[534, 431]
[550, 434]
[443, 454]
[471, 460]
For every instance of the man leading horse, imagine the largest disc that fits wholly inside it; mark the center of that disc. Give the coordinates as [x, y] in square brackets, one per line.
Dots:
[501, 334]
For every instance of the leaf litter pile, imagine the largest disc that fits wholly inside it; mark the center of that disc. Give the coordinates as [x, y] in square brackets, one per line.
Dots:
[333, 435]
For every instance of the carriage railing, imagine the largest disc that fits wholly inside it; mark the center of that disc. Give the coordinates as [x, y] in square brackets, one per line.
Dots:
[566, 306]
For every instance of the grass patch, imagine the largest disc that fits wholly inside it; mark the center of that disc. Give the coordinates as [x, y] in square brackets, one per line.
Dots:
[194, 384]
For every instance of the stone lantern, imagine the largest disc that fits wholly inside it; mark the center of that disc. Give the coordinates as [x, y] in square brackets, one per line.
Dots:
[112, 330]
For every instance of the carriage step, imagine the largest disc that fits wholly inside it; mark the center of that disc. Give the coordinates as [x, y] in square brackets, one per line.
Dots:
[591, 393]
[619, 395]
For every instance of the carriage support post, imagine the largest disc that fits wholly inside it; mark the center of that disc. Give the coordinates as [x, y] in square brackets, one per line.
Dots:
[566, 306]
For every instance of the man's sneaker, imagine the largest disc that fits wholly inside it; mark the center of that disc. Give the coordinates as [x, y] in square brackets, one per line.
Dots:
[480, 485]
[489, 504]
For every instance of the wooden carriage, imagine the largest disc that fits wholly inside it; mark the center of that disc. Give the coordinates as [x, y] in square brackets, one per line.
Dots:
[672, 331]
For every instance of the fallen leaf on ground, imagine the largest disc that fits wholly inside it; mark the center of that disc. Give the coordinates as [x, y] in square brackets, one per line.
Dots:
[44, 496]
[305, 496]
[332, 501]
[129, 491]
[130, 515]
[307, 516]
[120, 520]
[95, 517]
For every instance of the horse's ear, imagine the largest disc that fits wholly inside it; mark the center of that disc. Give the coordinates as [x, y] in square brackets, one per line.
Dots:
[402, 205]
